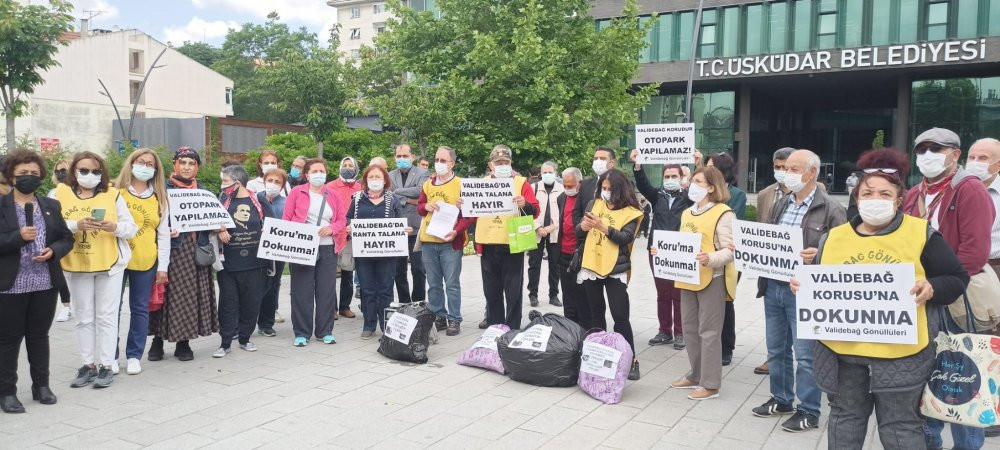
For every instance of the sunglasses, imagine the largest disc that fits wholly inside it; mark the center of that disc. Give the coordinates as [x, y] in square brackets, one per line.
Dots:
[86, 172]
[888, 171]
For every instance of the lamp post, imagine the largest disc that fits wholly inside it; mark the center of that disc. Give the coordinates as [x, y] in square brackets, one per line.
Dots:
[694, 54]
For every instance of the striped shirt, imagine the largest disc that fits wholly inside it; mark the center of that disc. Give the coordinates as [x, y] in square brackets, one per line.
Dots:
[994, 190]
[793, 215]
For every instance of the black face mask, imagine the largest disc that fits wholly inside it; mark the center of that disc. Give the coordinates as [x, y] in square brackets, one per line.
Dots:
[61, 175]
[27, 184]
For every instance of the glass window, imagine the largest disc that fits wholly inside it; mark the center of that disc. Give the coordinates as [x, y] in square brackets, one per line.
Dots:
[881, 22]
[685, 30]
[994, 18]
[646, 53]
[937, 21]
[665, 37]
[731, 31]
[602, 24]
[826, 24]
[755, 30]
[908, 10]
[968, 18]
[802, 25]
[854, 14]
[707, 38]
[778, 23]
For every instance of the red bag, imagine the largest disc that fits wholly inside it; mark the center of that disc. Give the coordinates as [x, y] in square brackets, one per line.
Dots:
[157, 297]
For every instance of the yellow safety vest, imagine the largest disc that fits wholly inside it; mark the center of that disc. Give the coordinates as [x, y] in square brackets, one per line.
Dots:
[905, 245]
[705, 224]
[600, 253]
[448, 193]
[493, 230]
[146, 213]
[94, 250]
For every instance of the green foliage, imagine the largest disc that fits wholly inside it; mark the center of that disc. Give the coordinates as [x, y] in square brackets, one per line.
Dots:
[362, 144]
[751, 213]
[30, 36]
[308, 86]
[205, 54]
[879, 141]
[535, 75]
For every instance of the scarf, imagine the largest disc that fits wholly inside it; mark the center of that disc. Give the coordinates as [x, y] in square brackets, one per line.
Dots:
[181, 182]
[253, 199]
[937, 189]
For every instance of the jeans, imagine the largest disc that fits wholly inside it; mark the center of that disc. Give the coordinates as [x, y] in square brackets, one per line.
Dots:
[787, 380]
[416, 264]
[553, 250]
[140, 288]
[443, 266]
[26, 317]
[503, 283]
[269, 305]
[240, 294]
[966, 438]
[376, 276]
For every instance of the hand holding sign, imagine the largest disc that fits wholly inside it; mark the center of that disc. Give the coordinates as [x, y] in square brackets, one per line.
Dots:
[670, 143]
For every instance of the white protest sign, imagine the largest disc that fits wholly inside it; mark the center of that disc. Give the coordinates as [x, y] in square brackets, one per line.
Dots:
[197, 210]
[769, 251]
[675, 256]
[399, 327]
[489, 338]
[443, 220]
[534, 338]
[379, 238]
[668, 143]
[857, 302]
[485, 197]
[292, 242]
[599, 360]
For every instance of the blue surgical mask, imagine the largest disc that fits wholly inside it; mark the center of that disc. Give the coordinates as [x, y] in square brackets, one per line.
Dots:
[672, 184]
[295, 172]
[403, 163]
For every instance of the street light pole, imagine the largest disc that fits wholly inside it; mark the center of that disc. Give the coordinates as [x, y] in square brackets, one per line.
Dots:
[107, 94]
[694, 54]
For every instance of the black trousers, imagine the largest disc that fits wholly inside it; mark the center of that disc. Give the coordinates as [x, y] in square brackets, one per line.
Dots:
[575, 305]
[729, 330]
[416, 263]
[269, 304]
[535, 267]
[240, 294]
[25, 317]
[346, 289]
[618, 302]
[503, 278]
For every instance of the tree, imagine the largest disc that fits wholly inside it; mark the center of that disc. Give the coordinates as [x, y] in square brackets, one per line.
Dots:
[879, 141]
[30, 36]
[204, 53]
[535, 75]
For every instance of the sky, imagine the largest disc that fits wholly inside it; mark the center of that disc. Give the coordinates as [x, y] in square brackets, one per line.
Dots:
[176, 21]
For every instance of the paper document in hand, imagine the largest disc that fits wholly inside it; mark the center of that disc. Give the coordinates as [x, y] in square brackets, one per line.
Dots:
[443, 220]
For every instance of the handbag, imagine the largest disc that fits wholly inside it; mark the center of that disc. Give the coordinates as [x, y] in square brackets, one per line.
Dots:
[204, 255]
[521, 234]
[962, 388]
[984, 303]
[158, 297]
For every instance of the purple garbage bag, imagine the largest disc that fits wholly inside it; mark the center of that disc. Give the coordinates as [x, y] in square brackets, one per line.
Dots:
[484, 352]
[604, 365]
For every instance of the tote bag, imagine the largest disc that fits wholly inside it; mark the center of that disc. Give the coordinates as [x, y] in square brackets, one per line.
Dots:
[521, 234]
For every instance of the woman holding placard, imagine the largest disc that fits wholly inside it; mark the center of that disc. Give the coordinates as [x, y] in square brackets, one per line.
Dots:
[274, 195]
[101, 225]
[703, 306]
[314, 288]
[609, 228]
[377, 274]
[889, 378]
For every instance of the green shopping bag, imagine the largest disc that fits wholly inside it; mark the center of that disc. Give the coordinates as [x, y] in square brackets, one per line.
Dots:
[521, 234]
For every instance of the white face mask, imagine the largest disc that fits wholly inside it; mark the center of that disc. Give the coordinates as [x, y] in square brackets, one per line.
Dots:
[600, 166]
[697, 193]
[978, 169]
[376, 185]
[267, 167]
[143, 173]
[549, 178]
[503, 171]
[441, 168]
[572, 192]
[317, 179]
[779, 176]
[932, 164]
[271, 189]
[793, 181]
[88, 181]
[877, 212]
[606, 196]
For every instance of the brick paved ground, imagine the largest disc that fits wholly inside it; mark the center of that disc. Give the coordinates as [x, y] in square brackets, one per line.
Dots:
[349, 396]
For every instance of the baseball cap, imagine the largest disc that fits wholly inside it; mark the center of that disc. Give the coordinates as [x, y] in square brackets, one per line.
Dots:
[939, 136]
[500, 153]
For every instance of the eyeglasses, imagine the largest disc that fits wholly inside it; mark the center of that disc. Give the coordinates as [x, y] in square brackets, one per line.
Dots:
[61, 171]
[924, 148]
[86, 172]
[888, 171]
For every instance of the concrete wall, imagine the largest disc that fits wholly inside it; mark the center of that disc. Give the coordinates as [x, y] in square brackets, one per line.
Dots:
[173, 133]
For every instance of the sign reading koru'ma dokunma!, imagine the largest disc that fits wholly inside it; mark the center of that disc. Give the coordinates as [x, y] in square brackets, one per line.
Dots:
[197, 210]
[379, 237]
[769, 251]
[669, 143]
[287, 241]
[857, 303]
[675, 256]
[485, 197]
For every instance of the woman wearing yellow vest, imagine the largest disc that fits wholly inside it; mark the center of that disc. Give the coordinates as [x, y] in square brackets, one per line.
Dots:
[703, 305]
[144, 189]
[889, 378]
[609, 228]
[102, 226]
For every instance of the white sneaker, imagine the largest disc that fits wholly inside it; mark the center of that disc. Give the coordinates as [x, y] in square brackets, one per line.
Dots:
[114, 368]
[133, 367]
[249, 347]
[278, 318]
[221, 352]
[64, 314]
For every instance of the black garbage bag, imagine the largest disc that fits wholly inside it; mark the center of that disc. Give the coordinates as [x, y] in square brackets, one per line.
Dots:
[407, 337]
[545, 353]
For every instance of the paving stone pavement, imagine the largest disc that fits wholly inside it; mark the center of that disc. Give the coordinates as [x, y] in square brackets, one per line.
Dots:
[348, 396]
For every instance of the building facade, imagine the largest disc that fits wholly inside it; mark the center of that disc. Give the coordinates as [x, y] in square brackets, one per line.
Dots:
[70, 109]
[361, 20]
[828, 75]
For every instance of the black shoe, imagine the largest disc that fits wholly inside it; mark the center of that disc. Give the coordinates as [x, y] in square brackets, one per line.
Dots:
[800, 421]
[484, 325]
[269, 332]
[534, 314]
[727, 359]
[43, 395]
[554, 301]
[633, 373]
[156, 350]
[84, 376]
[441, 324]
[772, 408]
[993, 431]
[679, 343]
[183, 351]
[453, 328]
[534, 300]
[11, 405]
[104, 378]
[661, 339]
